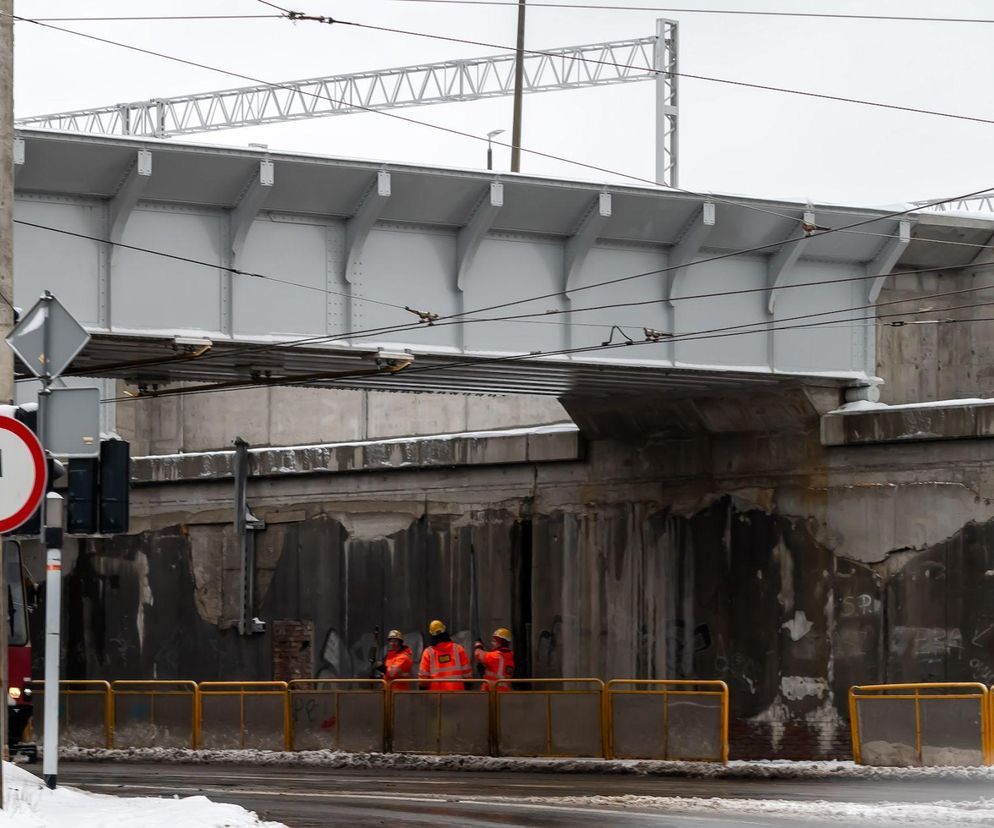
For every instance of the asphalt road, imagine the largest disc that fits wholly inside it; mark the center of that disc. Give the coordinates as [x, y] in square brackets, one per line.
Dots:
[309, 797]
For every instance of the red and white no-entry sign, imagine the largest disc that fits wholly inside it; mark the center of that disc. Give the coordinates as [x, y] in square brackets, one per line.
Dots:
[23, 473]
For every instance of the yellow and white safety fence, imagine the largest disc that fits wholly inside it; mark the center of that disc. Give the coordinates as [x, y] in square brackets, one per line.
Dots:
[568, 717]
[932, 724]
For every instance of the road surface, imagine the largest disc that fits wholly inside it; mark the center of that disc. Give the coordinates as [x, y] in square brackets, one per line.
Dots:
[314, 797]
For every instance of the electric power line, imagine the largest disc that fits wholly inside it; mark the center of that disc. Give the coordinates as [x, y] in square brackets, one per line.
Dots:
[677, 10]
[709, 79]
[716, 333]
[454, 319]
[470, 135]
[395, 116]
[159, 18]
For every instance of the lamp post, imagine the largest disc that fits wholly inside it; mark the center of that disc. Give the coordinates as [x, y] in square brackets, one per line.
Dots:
[519, 74]
[490, 148]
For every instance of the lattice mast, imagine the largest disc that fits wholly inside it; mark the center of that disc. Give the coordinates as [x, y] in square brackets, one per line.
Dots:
[572, 67]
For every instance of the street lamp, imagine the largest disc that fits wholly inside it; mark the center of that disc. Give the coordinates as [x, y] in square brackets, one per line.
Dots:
[490, 149]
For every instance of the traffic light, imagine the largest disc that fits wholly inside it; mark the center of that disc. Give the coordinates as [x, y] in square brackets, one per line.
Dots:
[97, 498]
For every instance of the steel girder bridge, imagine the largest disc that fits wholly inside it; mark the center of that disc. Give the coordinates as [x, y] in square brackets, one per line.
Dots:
[573, 67]
[210, 265]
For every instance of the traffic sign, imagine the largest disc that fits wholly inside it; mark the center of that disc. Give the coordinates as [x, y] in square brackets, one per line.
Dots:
[23, 473]
[71, 421]
[48, 338]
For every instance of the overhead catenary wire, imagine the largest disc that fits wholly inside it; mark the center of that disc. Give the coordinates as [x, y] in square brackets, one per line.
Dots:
[158, 18]
[213, 265]
[470, 135]
[453, 319]
[394, 115]
[717, 333]
[753, 327]
[716, 12]
[686, 75]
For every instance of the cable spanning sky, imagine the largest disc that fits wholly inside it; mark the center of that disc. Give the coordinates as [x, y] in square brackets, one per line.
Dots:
[733, 140]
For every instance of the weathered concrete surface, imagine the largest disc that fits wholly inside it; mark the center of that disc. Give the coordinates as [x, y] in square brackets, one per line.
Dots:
[543, 444]
[909, 423]
[788, 569]
[274, 416]
[921, 363]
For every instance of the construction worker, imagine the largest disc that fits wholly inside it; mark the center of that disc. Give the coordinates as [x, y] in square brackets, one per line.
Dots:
[498, 663]
[398, 661]
[444, 659]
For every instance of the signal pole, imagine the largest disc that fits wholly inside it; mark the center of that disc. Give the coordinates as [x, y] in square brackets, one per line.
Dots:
[7, 290]
[519, 78]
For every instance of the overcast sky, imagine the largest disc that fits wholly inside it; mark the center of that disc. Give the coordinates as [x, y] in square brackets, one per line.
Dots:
[733, 140]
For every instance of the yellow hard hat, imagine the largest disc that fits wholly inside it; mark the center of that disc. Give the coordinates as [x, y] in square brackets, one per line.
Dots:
[436, 627]
[395, 634]
[503, 632]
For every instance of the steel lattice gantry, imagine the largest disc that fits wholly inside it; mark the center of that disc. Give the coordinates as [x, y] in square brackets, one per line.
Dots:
[571, 67]
[138, 237]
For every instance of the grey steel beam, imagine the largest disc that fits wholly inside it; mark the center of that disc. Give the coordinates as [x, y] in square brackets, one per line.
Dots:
[122, 205]
[689, 246]
[472, 235]
[887, 258]
[579, 245]
[358, 227]
[252, 200]
[782, 262]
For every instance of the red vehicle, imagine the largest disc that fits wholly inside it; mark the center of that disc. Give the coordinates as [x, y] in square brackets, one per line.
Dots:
[20, 706]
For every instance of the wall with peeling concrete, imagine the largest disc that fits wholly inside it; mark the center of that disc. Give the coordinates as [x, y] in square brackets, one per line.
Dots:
[715, 549]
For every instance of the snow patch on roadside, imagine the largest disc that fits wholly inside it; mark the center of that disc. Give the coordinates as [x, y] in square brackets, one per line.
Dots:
[29, 804]
[770, 769]
[978, 812]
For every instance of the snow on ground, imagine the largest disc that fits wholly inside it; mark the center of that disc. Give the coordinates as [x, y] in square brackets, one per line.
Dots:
[29, 804]
[979, 812]
[864, 405]
[774, 769]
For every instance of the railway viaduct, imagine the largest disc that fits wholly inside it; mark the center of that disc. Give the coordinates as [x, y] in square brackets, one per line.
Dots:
[655, 428]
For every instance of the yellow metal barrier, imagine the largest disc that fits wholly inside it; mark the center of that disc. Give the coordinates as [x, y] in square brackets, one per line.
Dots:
[155, 713]
[545, 721]
[86, 713]
[425, 720]
[667, 719]
[244, 714]
[930, 724]
[338, 714]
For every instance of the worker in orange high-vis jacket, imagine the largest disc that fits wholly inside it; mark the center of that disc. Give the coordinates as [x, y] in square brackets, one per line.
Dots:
[443, 659]
[398, 661]
[498, 663]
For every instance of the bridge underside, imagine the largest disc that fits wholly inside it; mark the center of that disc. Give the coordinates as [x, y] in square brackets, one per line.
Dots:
[152, 364]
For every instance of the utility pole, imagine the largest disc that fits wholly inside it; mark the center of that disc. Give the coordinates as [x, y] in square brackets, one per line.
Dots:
[519, 79]
[6, 288]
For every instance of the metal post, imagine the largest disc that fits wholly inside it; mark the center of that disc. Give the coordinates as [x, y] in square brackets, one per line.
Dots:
[490, 155]
[519, 77]
[6, 283]
[53, 622]
[667, 66]
[241, 533]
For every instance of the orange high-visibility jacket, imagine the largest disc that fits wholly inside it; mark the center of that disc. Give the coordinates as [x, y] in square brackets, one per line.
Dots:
[497, 664]
[445, 660]
[399, 664]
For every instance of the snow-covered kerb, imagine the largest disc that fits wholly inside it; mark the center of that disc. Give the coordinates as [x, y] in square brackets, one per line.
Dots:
[779, 769]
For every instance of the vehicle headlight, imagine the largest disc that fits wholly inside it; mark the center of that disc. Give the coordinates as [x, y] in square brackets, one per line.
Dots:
[27, 692]
[14, 692]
